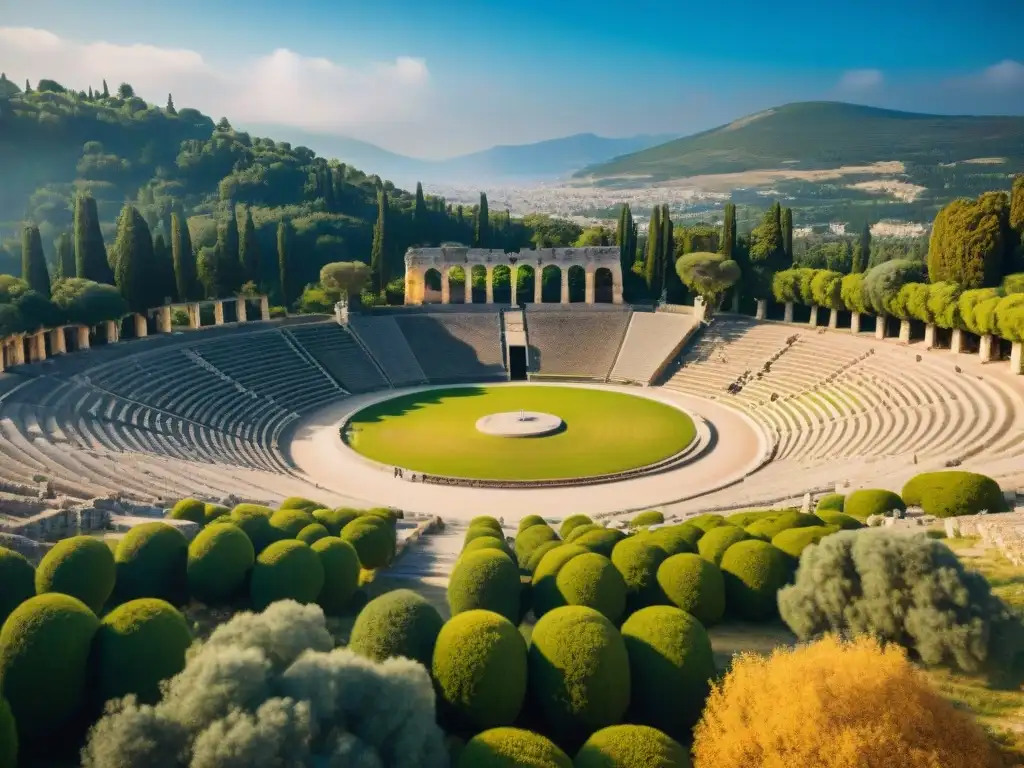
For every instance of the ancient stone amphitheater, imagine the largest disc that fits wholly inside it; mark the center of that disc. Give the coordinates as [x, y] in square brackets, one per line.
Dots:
[216, 412]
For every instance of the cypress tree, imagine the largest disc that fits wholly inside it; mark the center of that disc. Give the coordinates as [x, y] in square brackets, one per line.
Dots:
[91, 96]
[106, 91]
[283, 260]
[90, 251]
[381, 243]
[28, 86]
[183, 258]
[137, 276]
[787, 234]
[482, 235]
[249, 250]
[654, 252]
[65, 257]
[862, 253]
[163, 269]
[728, 245]
[230, 235]
[33, 261]
[419, 216]
[228, 268]
[170, 105]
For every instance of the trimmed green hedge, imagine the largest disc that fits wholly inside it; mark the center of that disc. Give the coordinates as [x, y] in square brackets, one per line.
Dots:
[954, 493]
[670, 666]
[631, 746]
[572, 522]
[138, 644]
[579, 678]
[795, 540]
[189, 509]
[754, 572]
[694, 584]
[768, 528]
[481, 531]
[152, 559]
[650, 517]
[374, 540]
[312, 533]
[714, 544]
[675, 539]
[82, 567]
[840, 519]
[602, 541]
[340, 562]
[17, 581]
[398, 623]
[213, 512]
[487, 521]
[8, 736]
[706, 521]
[289, 522]
[334, 520]
[286, 570]
[44, 662]
[254, 521]
[591, 580]
[297, 502]
[529, 521]
[511, 748]
[485, 579]
[743, 519]
[479, 667]
[637, 560]
[860, 505]
[831, 502]
[538, 554]
[219, 560]
[544, 586]
[579, 530]
[531, 538]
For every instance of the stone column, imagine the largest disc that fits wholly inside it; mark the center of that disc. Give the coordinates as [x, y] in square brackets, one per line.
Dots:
[468, 287]
[590, 287]
[985, 348]
[880, 327]
[904, 331]
[19, 349]
[218, 312]
[111, 331]
[813, 322]
[241, 310]
[833, 318]
[1017, 359]
[762, 310]
[538, 285]
[700, 309]
[58, 346]
[956, 341]
[513, 280]
[855, 322]
[82, 340]
[264, 308]
[788, 317]
[37, 346]
[163, 319]
[490, 285]
[617, 285]
[446, 288]
[195, 319]
[141, 328]
[565, 285]
[929, 336]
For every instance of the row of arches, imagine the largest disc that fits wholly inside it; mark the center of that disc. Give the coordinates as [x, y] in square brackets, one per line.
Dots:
[552, 289]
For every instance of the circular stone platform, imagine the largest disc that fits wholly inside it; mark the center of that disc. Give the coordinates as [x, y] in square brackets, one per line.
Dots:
[519, 424]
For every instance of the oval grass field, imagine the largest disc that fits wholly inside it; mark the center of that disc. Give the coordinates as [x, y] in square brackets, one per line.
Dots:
[435, 432]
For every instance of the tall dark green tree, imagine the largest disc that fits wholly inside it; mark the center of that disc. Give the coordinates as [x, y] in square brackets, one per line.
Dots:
[65, 257]
[862, 253]
[170, 105]
[228, 268]
[381, 244]
[728, 244]
[284, 257]
[672, 284]
[106, 91]
[183, 258]
[90, 251]
[163, 271]
[229, 234]
[482, 236]
[249, 251]
[787, 234]
[654, 256]
[136, 271]
[625, 238]
[33, 261]
[419, 217]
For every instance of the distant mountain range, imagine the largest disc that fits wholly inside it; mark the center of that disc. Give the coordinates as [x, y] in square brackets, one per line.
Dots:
[543, 160]
[820, 135]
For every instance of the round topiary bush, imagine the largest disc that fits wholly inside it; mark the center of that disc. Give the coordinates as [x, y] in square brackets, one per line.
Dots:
[189, 509]
[44, 658]
[602, 541]
[714, 543]
[637, 560]
[530, 521]
[694, 584]
[8, 736]
[511, 748]
[398, 623]
[340, 562]
[487, 521]
[578, 671]
[212, 512]
[631, 746]
[644, 519]
[754, 572]
[572, 522]
[82, 567]
[219, 559]
[707, 521]
[286, 570]
[544, 587]
[373, 539]
[743, 519]
[950, 494]
[860, 505]
[17, 581]
[152, 561]
[289, 522]
[579, 530]
[769, 527]
[670, 666]
[795, 540]
[538, 554]
[485, 579]
[254, 521]
[486, 542]
[297, 502]
[675, 539]
[479, 667]
[830, 502]
[530, 539]
[481, 531]
[592, 581]
[138, 644]
[839, 519]
[312, 533]
[334, 520]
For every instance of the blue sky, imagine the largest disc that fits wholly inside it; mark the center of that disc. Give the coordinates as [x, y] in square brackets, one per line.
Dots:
[439, 78]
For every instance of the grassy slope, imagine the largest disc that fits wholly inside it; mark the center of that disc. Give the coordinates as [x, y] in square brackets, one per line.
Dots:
[824, 135]
[435, 432]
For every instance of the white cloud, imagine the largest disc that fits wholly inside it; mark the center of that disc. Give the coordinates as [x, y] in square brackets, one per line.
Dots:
[283, 87]
[860, 80]
[1005, 74]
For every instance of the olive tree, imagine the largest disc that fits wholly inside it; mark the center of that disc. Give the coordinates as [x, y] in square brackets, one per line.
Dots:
[346, 278]
[709, 275]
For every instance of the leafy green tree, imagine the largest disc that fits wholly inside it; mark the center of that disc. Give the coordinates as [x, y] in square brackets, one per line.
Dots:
[1017, 219]
[33, 261]
[767, 252]
[125, 91]
[136, 273]
[183, 258]
[654, 254]
[345, 278]
[163, 270]
[65, 257]
[249, 250]
[106, 91]
[709, 275]
[862, 254]
[381, 243]
[727, 245]
[87, 303]
[419, 215]
[971, 242]
[170, 105]
[90, 251]
[882, 284]
[787, 234]
[482, 235]
[284, 267]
